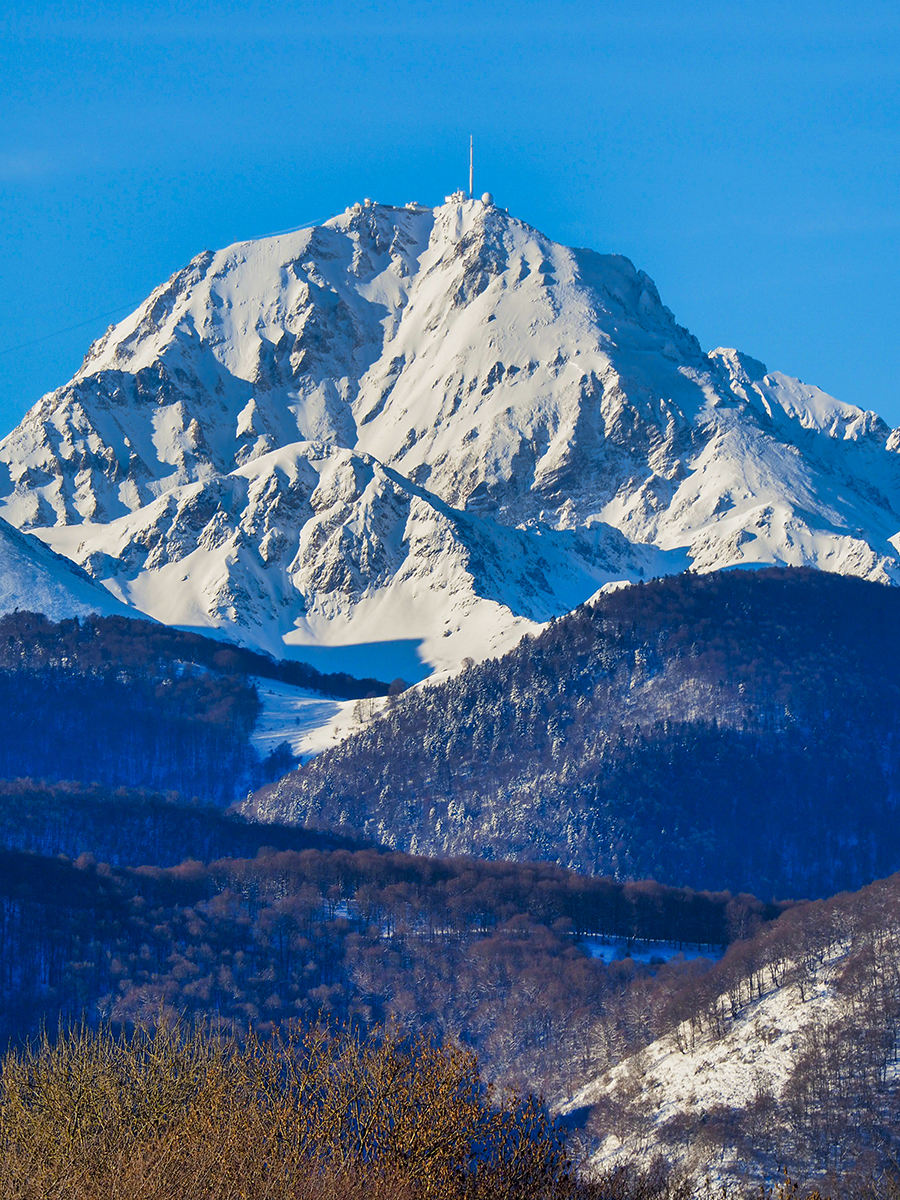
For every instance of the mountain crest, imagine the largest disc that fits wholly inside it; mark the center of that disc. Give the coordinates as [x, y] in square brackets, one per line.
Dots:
[502, 383]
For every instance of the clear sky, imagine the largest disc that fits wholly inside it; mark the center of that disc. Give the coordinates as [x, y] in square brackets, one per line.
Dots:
[744, 154]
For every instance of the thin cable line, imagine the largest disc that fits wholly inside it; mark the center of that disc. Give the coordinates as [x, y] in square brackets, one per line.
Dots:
[294, 229]
[134, 304]
[69, 329]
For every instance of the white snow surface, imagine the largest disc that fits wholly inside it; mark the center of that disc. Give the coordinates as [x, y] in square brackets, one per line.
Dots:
[307, 721]
[433, 430]
[34, 579]
[613, 950]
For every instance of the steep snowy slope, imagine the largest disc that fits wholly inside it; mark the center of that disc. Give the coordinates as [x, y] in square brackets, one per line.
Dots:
[784, 1053]
[34, 579]
[315, 545]
[320, 437]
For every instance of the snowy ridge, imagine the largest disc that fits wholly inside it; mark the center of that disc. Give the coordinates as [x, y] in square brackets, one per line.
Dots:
[434, 425]
[316, 545]
[34, 579]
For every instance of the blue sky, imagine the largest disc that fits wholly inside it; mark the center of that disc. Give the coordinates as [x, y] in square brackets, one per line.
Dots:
[744, 155]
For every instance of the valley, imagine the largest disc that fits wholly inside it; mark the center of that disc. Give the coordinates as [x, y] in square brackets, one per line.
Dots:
[407, 628]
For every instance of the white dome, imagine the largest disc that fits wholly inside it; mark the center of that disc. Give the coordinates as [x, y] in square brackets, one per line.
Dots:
[487, 198]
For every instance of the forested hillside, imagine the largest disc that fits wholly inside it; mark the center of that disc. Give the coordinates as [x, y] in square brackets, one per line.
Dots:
[123, 702]
[134, 827]
[801, 1011]
[784, 1052]
[729, 730]
[31, 641]
[498, 954]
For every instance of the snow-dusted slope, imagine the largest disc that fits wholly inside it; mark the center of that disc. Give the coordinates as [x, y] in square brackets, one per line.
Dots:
[686, 1079]
[306, 721]
[315, 545]
[434, 425]
[793, 1063]
[34, 579]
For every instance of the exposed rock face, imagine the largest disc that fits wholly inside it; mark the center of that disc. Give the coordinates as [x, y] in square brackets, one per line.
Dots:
[411, 422]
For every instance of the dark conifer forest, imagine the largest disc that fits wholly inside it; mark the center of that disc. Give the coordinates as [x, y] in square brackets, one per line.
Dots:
[734, 730]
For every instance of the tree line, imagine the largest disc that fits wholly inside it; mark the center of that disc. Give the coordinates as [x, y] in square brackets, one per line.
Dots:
[94, 643]
[491, 952]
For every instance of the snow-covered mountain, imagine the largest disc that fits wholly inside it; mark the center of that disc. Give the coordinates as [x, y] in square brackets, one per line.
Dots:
[432, 426]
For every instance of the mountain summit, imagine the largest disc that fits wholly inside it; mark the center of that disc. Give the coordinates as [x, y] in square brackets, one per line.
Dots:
[435, 427]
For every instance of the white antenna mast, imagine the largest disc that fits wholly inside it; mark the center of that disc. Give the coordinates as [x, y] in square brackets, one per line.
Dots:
[471, 165]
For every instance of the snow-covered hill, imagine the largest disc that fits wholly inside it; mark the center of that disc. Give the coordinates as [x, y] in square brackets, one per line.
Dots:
[686, 1080]
[433, 427]
[785, 1052]
[35, 579]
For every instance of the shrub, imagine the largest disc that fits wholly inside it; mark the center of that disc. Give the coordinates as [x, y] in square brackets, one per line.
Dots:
[310, 1114]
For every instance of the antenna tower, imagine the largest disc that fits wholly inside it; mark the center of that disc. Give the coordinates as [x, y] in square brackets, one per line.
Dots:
[471, 164]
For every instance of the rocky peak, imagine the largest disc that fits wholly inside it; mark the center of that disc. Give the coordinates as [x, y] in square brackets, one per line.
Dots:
[497, 378]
